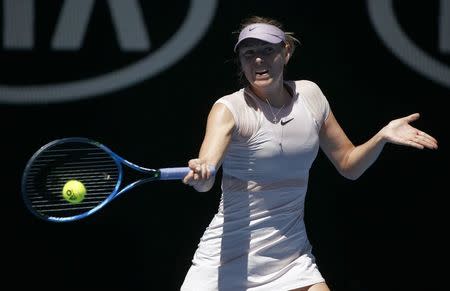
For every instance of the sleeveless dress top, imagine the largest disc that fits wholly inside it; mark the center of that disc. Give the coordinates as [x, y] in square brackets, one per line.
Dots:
[257, 239]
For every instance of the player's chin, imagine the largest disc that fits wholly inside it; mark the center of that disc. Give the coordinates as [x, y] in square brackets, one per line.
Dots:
[262, 82]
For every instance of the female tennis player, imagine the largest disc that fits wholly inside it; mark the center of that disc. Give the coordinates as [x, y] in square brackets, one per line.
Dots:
[266, 137]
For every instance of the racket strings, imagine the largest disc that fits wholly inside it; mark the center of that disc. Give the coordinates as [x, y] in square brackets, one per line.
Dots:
[87, 163]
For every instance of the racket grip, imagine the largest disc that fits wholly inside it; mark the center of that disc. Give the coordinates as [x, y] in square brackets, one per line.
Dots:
[178, 173]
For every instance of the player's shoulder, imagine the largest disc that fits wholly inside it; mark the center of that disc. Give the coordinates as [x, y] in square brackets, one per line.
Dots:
[233, 96]
[307, 84]
[234, 99]
[308, 89]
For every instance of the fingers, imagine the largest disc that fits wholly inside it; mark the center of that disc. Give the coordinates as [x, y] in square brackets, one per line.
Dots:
[412, 117]
[194, 164]
[425, 140]
[192, 178]
[412, 136]
[427, 136]
[188, 178]
[204, 171]
[200, 172]
[420, 140]
[192, 175]
[414, 144]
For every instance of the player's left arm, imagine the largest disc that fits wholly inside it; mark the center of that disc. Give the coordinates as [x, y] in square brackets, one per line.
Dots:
[352, 161]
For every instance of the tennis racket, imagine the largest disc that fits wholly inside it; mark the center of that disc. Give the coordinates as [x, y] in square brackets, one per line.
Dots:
[97, 170]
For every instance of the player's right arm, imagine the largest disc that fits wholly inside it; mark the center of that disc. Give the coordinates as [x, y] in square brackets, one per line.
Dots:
[219, 129]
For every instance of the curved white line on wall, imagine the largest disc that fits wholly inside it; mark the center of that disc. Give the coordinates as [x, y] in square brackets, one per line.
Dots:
[199, 16]
[386, 25]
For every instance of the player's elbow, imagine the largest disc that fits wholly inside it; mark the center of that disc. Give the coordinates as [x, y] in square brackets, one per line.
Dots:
[351, 173]
[347, 168]
[348, 171]
[351, 176]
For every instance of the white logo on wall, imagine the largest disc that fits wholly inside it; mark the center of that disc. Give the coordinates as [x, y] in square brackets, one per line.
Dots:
[70, 28]
[386, 25]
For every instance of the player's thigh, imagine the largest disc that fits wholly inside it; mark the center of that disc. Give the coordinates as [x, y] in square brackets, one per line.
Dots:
[315, 287]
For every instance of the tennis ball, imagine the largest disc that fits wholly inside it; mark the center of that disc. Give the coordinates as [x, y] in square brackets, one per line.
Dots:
[74, 191]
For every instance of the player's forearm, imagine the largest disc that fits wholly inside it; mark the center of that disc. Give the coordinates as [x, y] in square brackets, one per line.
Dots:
[361, 157]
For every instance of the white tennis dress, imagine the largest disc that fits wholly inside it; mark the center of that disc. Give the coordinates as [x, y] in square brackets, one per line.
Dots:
[257, 240]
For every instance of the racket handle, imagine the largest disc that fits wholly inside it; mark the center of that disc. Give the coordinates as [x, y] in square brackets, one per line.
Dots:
[178, 173]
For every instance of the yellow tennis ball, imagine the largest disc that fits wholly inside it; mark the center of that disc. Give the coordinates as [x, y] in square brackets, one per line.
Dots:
[74, 191]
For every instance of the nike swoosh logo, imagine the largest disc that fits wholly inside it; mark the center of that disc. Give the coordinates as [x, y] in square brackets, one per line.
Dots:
[283, 122]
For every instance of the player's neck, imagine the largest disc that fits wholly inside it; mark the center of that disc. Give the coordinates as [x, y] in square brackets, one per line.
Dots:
[277, 96]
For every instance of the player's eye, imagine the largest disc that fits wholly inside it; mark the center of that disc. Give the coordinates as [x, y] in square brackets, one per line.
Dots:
[248, 53]
[268, 50]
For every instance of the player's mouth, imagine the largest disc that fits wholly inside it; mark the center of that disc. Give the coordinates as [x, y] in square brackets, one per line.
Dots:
[262, 73]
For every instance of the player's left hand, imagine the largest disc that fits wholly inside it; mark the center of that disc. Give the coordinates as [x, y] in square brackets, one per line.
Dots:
[399, 131]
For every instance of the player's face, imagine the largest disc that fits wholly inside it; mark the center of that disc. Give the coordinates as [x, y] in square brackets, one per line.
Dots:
[262, 62]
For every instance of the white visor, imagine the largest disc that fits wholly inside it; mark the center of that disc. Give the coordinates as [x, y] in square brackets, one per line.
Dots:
[261, 31]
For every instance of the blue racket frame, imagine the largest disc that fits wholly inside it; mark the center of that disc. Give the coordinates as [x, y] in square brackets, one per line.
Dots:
[174, 173]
